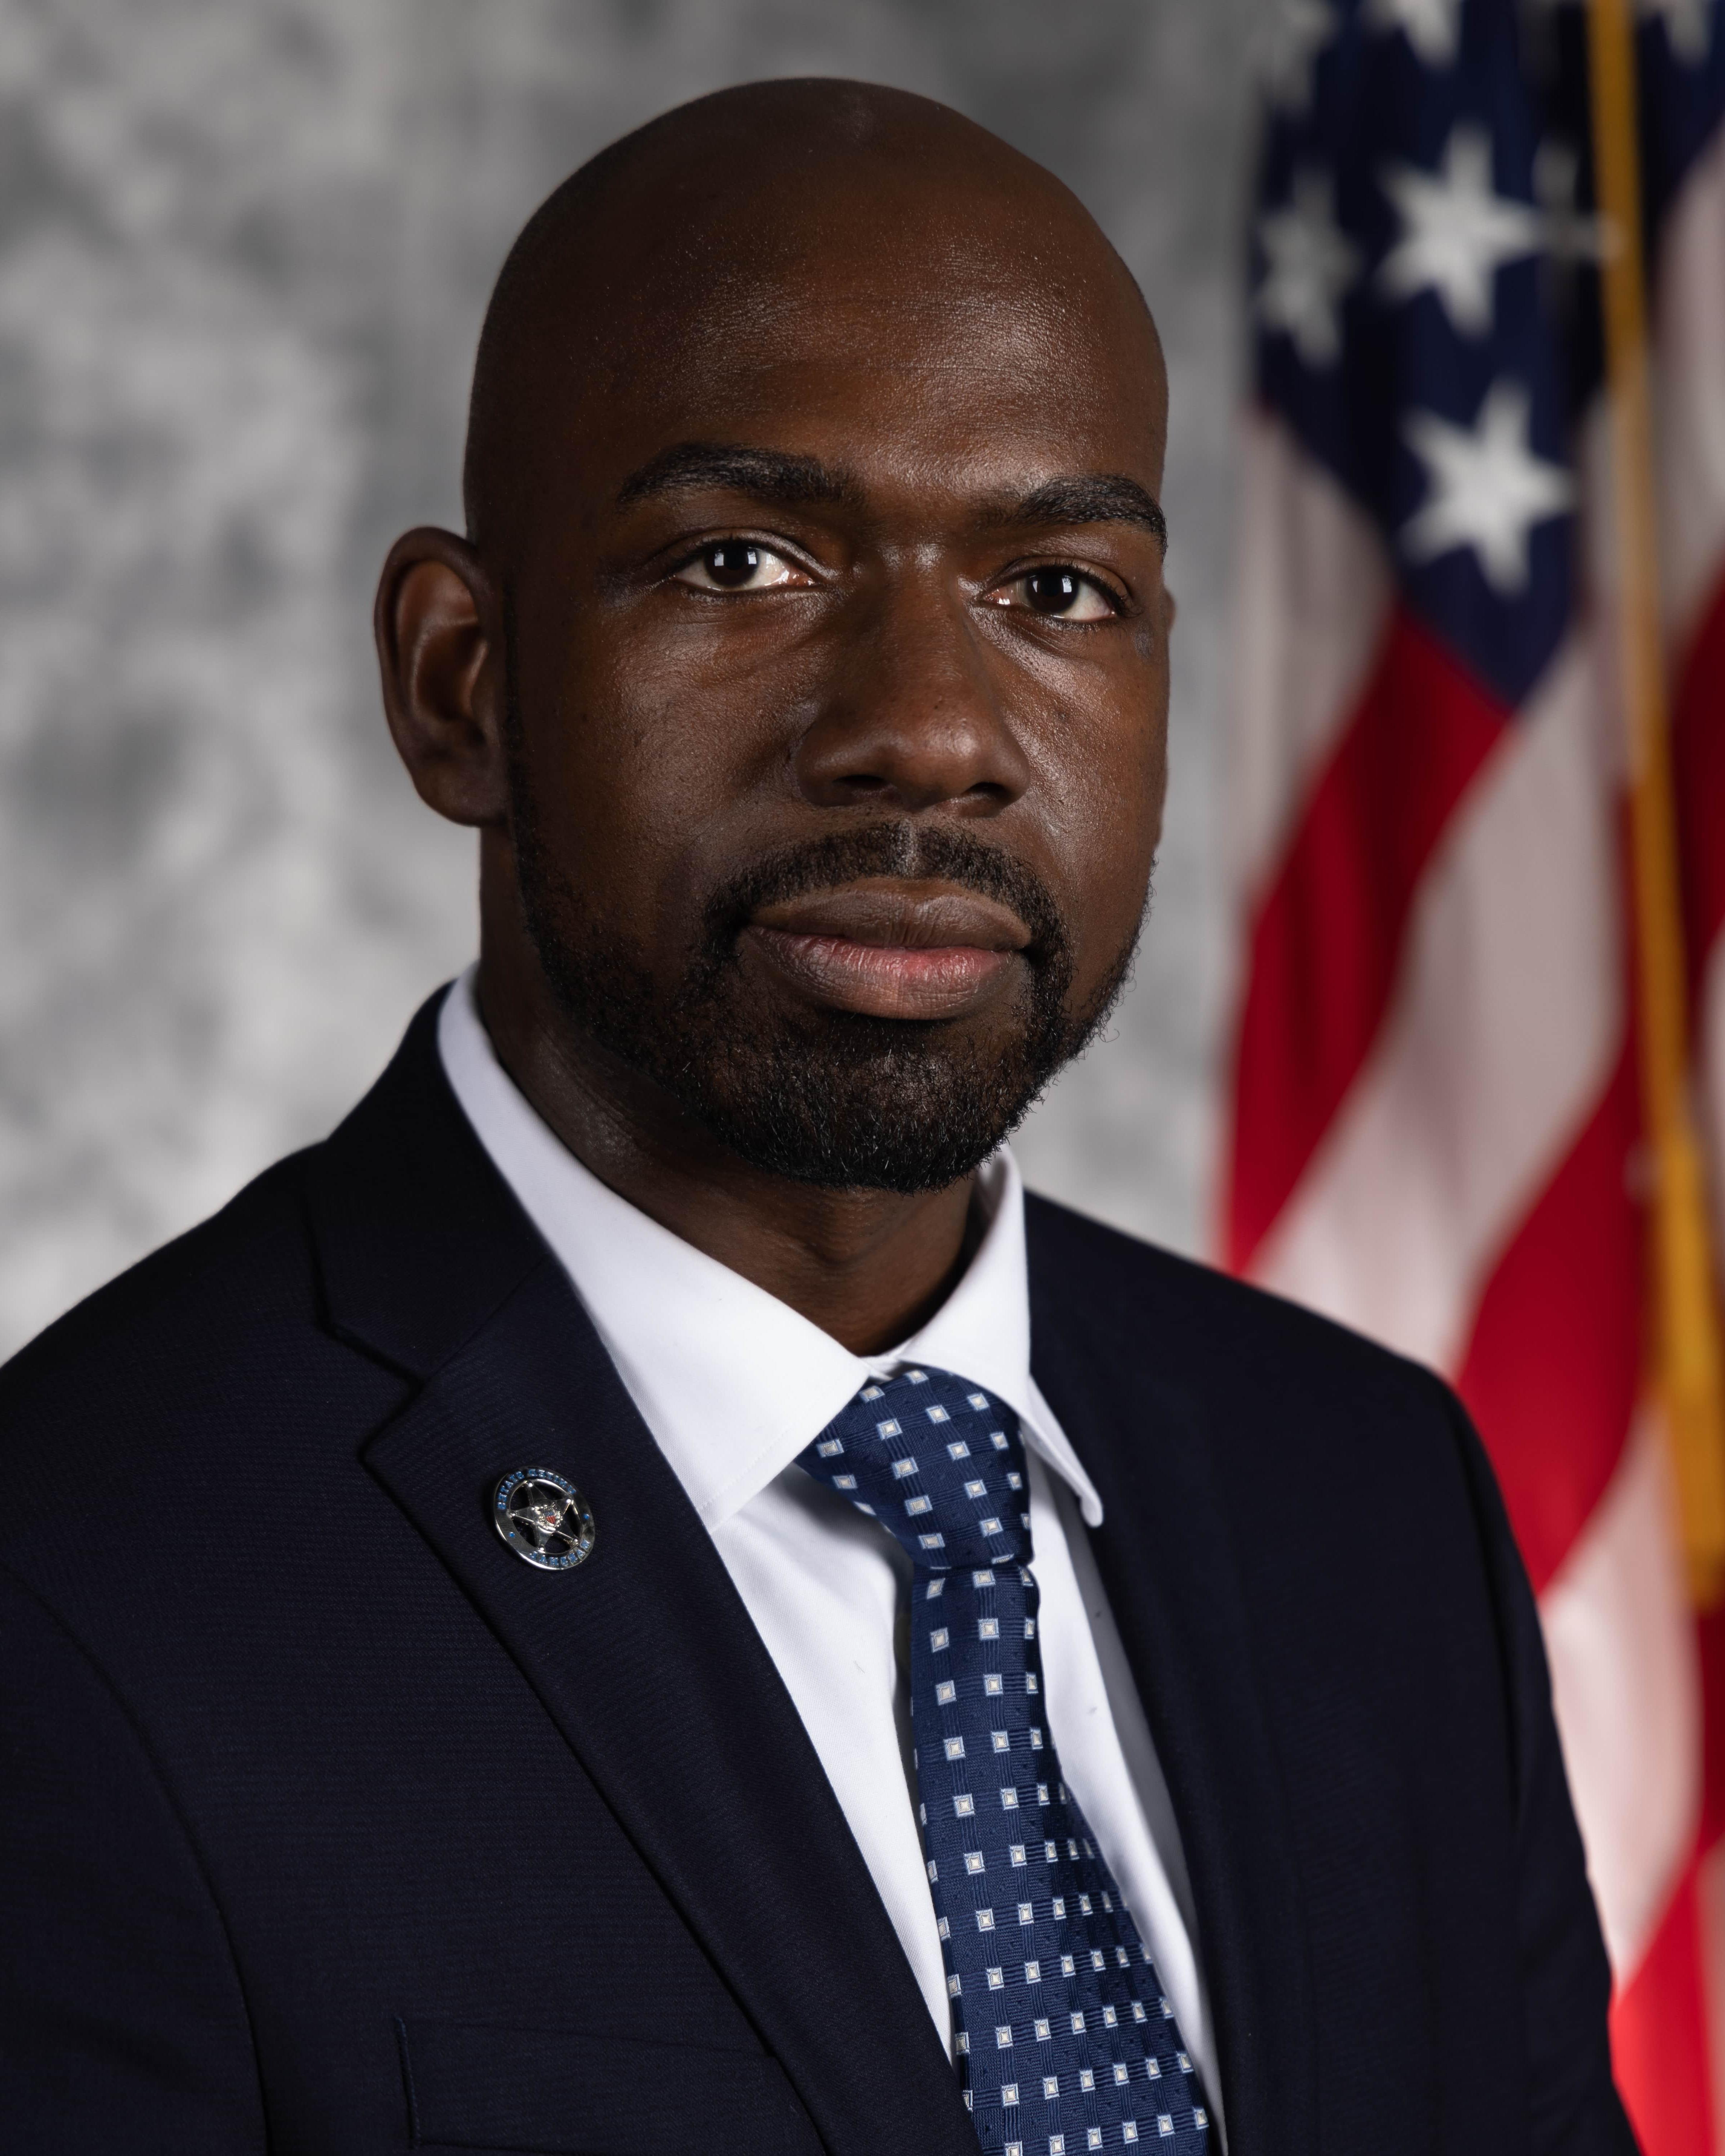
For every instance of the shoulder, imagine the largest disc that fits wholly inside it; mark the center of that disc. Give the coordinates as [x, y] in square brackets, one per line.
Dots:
[1188, 1318]
[226, 1325]
[176, 1376]
[1343, 1467]
[216, 1278]
[1302, 1418]
[240, 1369]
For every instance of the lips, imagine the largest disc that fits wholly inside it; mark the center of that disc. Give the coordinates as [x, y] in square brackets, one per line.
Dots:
[891, 949]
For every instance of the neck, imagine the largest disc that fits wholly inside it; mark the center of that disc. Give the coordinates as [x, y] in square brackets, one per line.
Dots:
[867, 1266]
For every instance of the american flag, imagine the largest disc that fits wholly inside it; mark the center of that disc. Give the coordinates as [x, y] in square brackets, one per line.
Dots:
[1436, 1117]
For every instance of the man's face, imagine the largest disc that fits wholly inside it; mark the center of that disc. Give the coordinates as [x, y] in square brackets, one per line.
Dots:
[837, 686]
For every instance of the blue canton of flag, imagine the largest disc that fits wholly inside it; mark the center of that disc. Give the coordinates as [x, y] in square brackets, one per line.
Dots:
[1425, 294]
[1416, 251]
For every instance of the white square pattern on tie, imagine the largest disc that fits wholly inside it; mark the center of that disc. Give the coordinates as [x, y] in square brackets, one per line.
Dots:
[1109, 2072]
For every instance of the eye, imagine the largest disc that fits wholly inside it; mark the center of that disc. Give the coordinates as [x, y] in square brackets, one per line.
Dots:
[742, 565]
[1058, 593]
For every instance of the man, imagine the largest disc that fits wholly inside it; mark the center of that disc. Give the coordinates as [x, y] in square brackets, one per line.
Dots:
[640, 1597]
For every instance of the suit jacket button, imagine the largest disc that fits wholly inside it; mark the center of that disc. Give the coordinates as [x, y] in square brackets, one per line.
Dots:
[544, 1518]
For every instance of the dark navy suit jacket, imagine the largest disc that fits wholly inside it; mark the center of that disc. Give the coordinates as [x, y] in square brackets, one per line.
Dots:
[327, 1826]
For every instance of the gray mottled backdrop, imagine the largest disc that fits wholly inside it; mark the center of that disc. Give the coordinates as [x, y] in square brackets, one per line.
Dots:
[244, 247]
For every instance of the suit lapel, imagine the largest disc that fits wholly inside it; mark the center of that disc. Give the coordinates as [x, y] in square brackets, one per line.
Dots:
[1168, 1567]
[644, 1656]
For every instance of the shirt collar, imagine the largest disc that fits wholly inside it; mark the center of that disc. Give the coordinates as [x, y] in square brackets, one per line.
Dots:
[731, 1382]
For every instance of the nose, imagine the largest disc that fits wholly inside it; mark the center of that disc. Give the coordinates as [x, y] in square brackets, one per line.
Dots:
[912, 716]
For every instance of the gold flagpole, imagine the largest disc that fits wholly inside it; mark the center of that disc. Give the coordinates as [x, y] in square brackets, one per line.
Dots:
[1685, 1359]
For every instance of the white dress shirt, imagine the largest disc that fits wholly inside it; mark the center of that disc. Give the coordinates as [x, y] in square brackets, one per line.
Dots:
[733, 1383]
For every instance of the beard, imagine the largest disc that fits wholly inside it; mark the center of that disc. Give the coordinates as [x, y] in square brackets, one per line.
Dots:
[838, 1099]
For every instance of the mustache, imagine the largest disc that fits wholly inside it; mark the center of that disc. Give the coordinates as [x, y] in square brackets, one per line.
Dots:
[935, 851]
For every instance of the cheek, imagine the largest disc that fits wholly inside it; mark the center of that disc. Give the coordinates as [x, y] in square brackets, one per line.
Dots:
[646, 763]
[1106, 795]
[1121, 850]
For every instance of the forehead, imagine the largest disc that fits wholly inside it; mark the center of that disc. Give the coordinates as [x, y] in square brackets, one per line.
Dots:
[906, 331]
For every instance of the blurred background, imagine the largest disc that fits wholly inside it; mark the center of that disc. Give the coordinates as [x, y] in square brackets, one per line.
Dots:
[244, 250]
[1443, 1053]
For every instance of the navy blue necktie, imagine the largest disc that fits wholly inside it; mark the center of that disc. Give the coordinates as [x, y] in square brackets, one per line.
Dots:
[1064, 2041]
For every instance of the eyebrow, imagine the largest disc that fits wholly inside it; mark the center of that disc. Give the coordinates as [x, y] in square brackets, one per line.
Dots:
[1104, 498]
[768, 474]
[780, 475]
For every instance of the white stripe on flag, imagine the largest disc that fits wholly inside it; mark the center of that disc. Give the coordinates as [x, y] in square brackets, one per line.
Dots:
[1507, 1019]
[1625, 1685]
[1314, 601]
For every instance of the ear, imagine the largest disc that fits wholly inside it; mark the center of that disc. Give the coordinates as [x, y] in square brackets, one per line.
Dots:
[439, 627]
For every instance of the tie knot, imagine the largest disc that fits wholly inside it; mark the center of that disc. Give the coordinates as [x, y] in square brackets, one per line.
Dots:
[937, 1461]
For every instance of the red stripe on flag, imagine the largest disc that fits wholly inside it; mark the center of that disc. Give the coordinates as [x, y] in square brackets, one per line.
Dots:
[1325, 942]
[1552, 1369]
[1698, 779]
[1659, 2036]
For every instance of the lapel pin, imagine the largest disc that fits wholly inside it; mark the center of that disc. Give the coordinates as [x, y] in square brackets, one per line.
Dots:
[544, 1519]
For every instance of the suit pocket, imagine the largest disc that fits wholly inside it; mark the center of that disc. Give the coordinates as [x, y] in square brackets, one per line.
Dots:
[566, 2092]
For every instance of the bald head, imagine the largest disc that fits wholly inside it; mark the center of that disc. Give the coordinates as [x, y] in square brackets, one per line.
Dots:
[805, 665]
[717, 236]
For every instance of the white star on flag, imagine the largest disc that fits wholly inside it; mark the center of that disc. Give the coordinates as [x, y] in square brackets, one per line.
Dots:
[1433, 28]
[1488, 488]
[1312, 262]
[1298, 33]
[1686, 29]
[1455, 231]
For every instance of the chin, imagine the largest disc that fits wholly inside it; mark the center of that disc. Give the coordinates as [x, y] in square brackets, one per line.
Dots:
[865, 1103]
